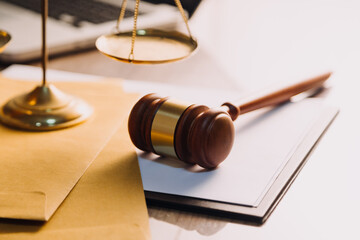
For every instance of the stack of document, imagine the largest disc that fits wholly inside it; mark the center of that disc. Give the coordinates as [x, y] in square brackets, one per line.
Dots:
[271, 146]
[76, 183]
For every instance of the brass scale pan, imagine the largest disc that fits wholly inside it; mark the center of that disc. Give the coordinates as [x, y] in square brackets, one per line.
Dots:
[153, 46]
[4, 40]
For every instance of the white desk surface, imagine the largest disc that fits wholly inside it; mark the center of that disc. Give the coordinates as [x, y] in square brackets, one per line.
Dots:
[248, 44]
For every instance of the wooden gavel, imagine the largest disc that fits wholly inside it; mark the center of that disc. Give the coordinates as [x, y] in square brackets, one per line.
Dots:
[197, 134]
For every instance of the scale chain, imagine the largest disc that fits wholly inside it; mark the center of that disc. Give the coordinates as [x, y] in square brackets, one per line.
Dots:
[122, 14]
[181, 9]
[131, 55]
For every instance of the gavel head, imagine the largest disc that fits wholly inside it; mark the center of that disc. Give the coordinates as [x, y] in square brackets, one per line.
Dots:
[194, 134]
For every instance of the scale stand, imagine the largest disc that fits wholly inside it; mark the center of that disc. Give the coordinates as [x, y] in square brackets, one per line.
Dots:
[45, 108]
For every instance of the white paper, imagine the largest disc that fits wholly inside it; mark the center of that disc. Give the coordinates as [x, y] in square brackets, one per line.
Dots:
[263, 145]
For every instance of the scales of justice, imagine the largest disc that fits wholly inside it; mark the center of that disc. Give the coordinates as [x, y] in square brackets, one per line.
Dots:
[48, 108]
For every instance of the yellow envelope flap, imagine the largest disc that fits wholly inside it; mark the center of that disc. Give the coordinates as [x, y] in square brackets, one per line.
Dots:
[108, 202]
[23, 205]
[52, 162]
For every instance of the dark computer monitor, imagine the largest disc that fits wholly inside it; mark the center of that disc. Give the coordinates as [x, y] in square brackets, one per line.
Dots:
[189, 5]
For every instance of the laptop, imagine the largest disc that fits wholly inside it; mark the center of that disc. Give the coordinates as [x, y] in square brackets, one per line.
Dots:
[73, 25]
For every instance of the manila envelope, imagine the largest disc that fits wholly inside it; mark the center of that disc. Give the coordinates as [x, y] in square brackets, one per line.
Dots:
[39, 169]
[108, 202]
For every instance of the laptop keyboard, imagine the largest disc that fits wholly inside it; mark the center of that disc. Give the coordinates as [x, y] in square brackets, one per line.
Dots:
[75, 12]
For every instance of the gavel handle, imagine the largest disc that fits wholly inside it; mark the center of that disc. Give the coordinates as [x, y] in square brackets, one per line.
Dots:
[273, 96]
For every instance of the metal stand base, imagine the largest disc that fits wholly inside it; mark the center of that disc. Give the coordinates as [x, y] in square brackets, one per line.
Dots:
[44, 108]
